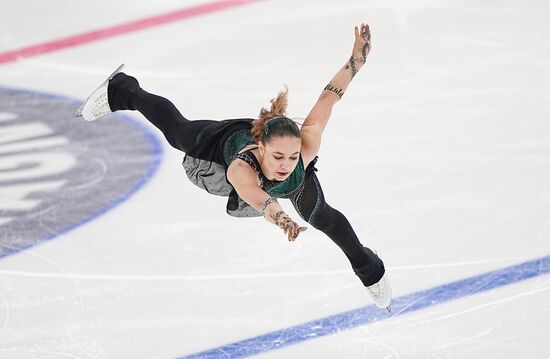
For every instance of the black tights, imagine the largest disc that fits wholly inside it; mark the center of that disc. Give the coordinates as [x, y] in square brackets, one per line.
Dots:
[311, 205]
[125, 93]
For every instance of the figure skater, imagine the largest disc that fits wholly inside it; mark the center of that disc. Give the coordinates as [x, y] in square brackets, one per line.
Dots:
[254, 162]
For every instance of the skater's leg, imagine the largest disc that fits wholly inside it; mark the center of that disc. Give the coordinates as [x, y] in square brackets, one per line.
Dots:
[124, 93]
[311, 205]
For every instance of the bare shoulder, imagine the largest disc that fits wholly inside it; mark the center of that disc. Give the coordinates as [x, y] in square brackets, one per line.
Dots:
[239, 172]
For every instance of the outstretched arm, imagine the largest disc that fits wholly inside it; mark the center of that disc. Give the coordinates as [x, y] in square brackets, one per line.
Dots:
[317, 119]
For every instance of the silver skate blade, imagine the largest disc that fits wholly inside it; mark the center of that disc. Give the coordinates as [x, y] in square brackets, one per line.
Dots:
[388, 308]
[118, 69]
[78, 112]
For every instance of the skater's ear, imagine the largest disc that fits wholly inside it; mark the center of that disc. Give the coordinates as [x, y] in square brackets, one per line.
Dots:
[261, 148]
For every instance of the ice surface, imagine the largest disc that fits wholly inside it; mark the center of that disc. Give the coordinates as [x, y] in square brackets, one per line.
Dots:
[438, 154]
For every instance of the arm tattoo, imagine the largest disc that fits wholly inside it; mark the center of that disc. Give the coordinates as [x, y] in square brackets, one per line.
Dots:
[364, 51]
[277, 216]
[366, 36]
[351, 64]
[330, 87]
[267, 203]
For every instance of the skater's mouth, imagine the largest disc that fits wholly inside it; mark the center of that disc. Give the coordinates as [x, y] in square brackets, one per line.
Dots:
[282, 174]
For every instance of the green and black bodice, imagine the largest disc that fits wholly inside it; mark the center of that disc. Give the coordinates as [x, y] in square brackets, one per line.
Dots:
[206, 170]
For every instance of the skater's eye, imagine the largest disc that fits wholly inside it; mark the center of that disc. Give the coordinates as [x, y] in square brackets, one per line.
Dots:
[280, 158]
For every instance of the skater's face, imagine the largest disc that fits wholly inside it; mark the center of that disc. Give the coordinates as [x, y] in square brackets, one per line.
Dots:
[280, 156]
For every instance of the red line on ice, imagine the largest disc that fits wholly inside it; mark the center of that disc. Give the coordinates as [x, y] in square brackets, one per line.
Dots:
[136, 25]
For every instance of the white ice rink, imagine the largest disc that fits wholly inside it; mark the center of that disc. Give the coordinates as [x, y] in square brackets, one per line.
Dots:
[438, 154]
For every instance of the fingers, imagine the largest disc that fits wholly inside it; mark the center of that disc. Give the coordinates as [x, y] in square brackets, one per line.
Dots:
[362, 32]
[295, 232]
[365, 32]
[290, 228]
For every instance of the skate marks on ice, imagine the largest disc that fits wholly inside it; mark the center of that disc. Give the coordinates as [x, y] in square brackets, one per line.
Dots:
[371, 314]
[57, 172]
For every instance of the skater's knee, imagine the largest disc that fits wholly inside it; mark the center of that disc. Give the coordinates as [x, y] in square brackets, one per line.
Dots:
[324, 217]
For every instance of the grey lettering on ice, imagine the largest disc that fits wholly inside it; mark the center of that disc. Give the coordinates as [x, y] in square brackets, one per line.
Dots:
[57, 172]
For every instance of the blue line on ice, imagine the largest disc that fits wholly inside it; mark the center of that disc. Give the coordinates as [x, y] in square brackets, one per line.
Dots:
[370, 314]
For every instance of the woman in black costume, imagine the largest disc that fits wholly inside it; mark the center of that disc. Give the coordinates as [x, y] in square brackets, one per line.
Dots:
[256, 161]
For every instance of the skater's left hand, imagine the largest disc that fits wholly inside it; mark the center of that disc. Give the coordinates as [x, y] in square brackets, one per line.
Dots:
[291, 228]
[362, 45]
[273, 213]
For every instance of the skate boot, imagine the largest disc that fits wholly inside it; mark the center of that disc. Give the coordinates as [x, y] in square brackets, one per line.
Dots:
[381, 293]
[97, 104]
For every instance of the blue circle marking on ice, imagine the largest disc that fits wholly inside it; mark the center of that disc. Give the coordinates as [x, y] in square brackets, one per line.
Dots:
[370, 314]
[58, 172]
